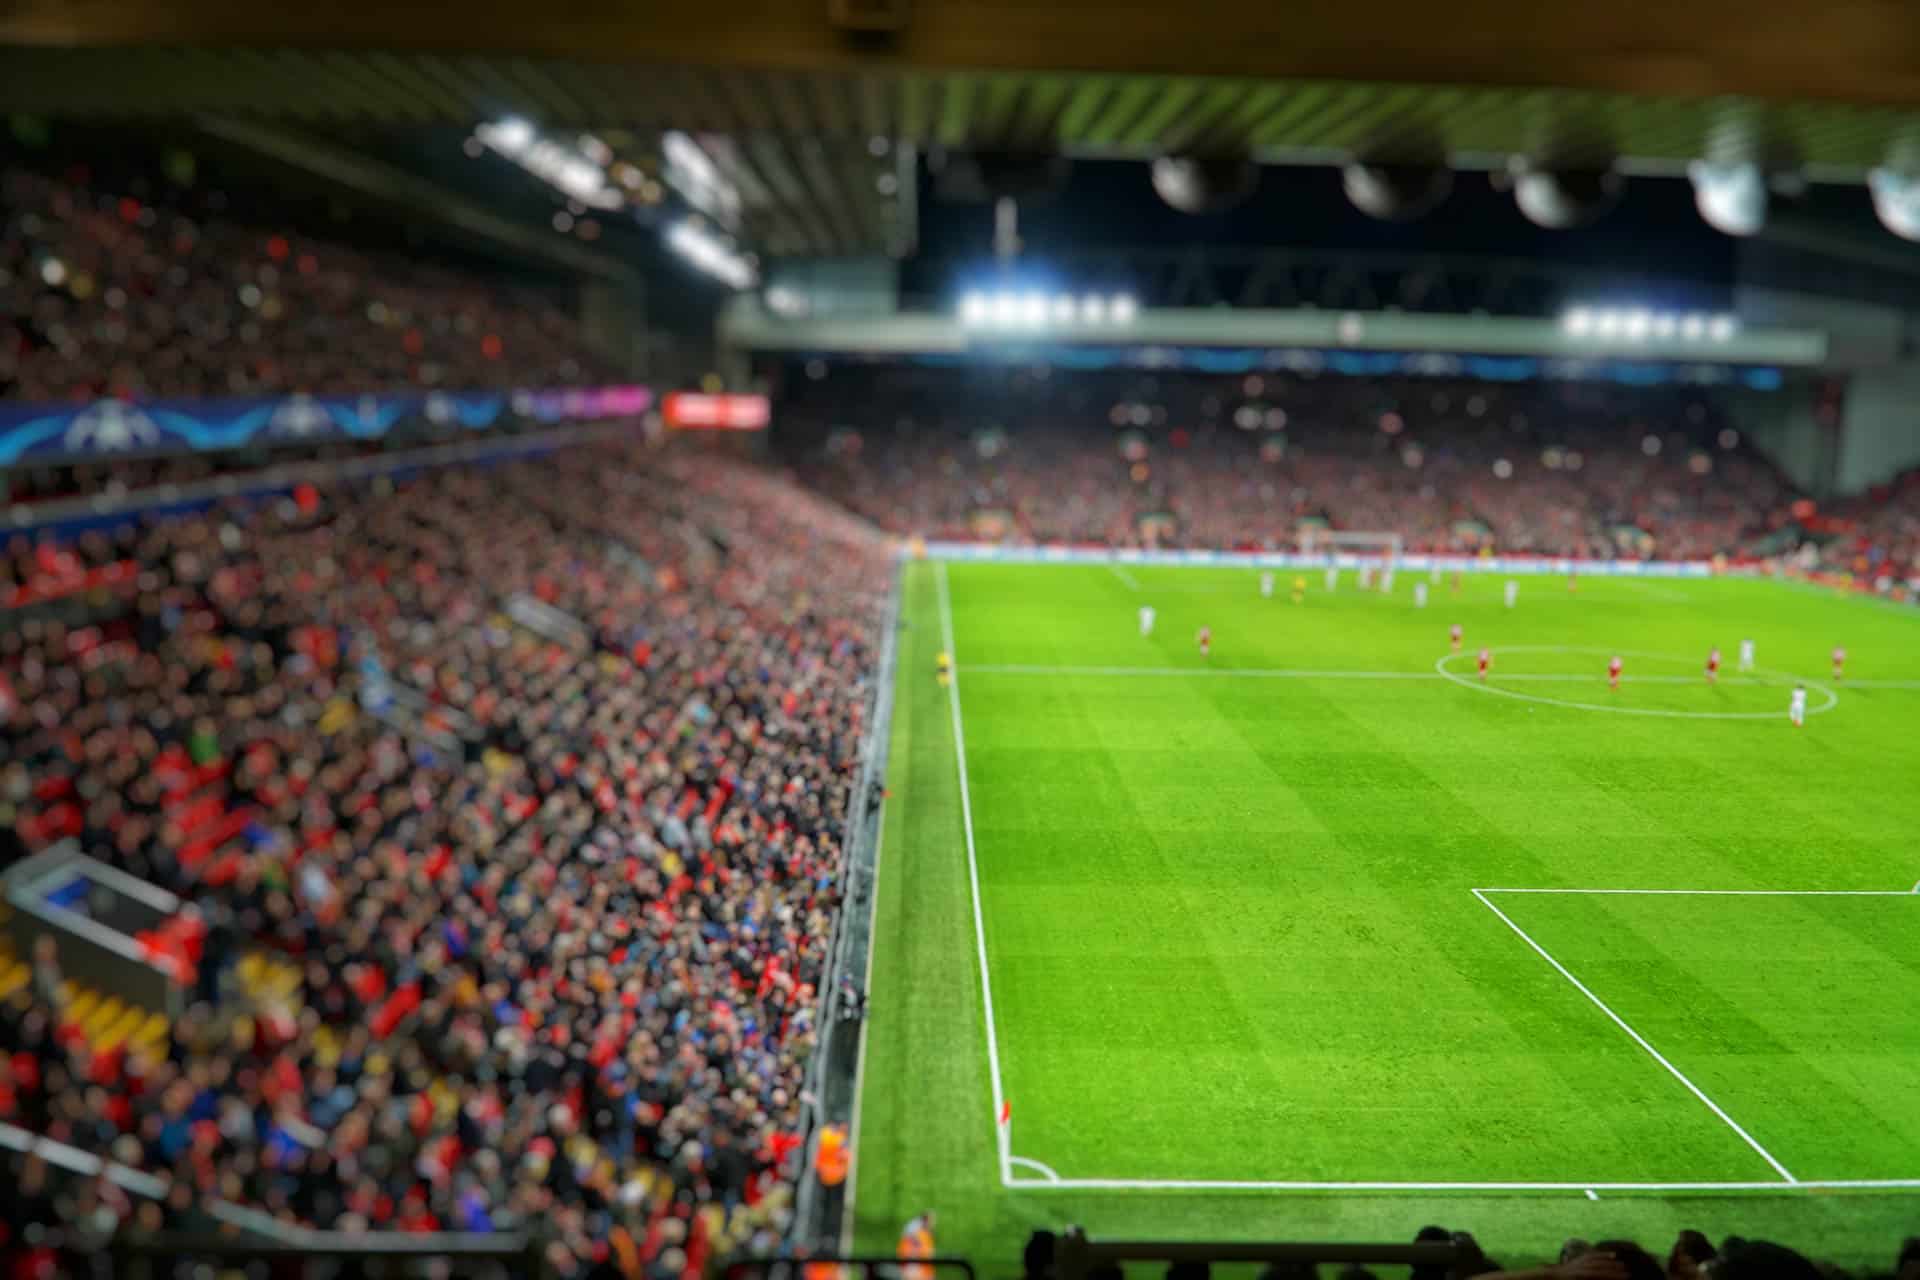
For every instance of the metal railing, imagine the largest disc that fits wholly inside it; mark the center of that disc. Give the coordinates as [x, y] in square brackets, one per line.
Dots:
[1076, 1256]
[831, 1082]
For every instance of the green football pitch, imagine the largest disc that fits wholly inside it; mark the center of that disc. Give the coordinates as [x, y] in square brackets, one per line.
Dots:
[1321, 936]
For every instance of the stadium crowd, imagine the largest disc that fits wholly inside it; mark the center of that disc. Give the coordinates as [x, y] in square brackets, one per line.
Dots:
[1692, 1257]
[535, 775]
[1183, 460]
[162, 295]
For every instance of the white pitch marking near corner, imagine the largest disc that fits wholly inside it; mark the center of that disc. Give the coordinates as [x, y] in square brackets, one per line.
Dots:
[1046, 1172]
[1638, 1039]
[973, 876]
[1592, 1194]
[1132, 583]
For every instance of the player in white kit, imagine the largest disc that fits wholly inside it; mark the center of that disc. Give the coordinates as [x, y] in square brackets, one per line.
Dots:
[1266, 586]
[1333, 577]
[1419, 595]
[1797, 706]
[1746, 655]
[1513, 592]
[1366, 577]
[1386, 578]
[1146, 621]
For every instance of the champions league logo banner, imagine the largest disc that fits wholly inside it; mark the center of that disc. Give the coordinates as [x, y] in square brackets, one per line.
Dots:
[104, 428]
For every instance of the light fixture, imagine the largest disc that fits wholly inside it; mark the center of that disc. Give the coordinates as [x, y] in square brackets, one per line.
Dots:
[1644, 324]
[717, 257]
[1034, 309]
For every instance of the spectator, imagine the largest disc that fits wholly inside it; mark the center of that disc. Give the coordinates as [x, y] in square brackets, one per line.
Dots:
[562, 910]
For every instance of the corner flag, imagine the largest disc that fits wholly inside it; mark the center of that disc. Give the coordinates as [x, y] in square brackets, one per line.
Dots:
[1006, 1113]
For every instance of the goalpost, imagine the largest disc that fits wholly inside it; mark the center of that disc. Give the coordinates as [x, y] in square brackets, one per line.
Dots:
[1382, 550]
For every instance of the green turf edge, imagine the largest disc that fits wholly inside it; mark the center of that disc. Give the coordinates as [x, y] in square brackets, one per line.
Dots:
[926, 1138]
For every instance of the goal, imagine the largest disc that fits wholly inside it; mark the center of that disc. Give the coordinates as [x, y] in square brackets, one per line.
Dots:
[1380, 549]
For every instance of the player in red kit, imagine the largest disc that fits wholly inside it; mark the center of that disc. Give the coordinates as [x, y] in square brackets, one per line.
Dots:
[1613, 672]
[1455, 634]
[1713, 664]
[1486, 660]
[1206, 641]
[1839, 661]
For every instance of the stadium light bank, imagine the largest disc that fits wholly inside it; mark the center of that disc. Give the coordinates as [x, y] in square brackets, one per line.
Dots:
[1030, 310]
[1642, 324]
[712, 254]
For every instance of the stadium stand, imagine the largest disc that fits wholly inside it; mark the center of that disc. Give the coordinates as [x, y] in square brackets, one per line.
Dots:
[511, 801]
[163, 294]
[1557, 470]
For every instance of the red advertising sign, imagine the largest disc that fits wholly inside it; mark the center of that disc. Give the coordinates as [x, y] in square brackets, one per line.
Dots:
[697, 411]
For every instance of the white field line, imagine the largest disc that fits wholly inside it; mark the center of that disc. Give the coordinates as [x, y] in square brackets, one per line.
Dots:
[1729, 893]
[973, 876]
[1231, 1184]
[1638, 1039]
[1255, 673]
[1046, 1173]
[1132, 583]
[1315, 673]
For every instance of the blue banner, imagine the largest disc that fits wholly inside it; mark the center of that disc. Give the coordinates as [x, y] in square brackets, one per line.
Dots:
[1054, 553]
[102, 428]
[1356, 364]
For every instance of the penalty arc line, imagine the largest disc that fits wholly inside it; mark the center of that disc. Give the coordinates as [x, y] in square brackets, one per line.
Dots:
[973, 876]
[1638, 1039]
[1132, 584]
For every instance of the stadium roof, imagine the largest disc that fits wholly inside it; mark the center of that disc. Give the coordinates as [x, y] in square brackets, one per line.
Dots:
[786, 101]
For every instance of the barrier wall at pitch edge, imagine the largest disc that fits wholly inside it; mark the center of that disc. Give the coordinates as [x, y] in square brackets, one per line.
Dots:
[1413, 562]
[31, 432]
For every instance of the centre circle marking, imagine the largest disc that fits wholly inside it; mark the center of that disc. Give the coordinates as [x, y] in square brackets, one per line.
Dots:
[1770, 677]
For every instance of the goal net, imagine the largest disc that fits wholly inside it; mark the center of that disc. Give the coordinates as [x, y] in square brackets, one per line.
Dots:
[1380, 548]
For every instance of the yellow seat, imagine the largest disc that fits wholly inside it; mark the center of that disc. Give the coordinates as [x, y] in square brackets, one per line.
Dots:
[120, 1029]
[12, 978]
[101, 1016]
[81, 1005]
[152, 1030]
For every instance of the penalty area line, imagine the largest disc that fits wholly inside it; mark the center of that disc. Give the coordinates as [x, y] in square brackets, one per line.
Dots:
[1638, 1039]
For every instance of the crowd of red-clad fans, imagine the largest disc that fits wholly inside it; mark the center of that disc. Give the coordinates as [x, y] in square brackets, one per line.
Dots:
[536, 775]
[1570, 469]
[155, 292]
